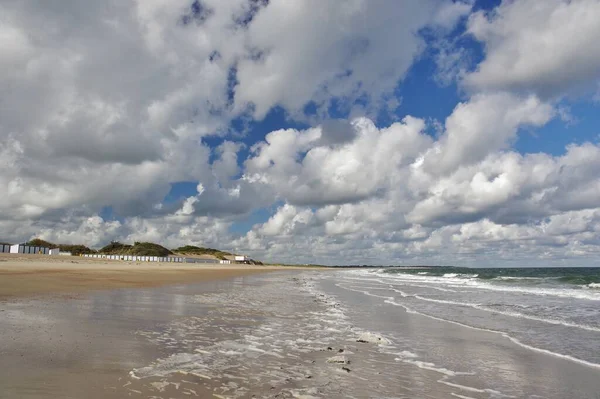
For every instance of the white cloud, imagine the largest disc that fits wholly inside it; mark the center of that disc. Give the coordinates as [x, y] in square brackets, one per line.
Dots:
[558, 240]
[413, 210]
[104, 104]
[486, 123]
[357, 52]
[509, 187]
[449, 13]
[92, 231]
[451, 60]
[108, 103]
[226, 166]
[285, 221]
[506, 207]
[548, 47]
[304, 171]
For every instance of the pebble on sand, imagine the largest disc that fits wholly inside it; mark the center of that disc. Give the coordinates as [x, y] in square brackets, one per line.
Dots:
[371, 338]
[339, 359]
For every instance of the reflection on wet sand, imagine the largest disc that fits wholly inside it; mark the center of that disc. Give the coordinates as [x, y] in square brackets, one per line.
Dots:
[296, 334]
[77, 346]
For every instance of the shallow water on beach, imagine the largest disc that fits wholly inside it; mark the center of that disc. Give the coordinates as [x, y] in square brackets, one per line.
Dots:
[493, 340]
[277, 335]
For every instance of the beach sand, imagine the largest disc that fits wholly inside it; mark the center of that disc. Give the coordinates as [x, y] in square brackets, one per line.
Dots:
[118, 330]
[74, 327]
[284, 334]
[26, 275]
[267, 335]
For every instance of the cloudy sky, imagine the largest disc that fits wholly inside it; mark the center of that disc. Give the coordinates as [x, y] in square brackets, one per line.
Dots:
[321, 131]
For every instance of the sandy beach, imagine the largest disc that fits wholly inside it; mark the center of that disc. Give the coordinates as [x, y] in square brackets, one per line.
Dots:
[226, 332]
[74, 327]
[26, 275]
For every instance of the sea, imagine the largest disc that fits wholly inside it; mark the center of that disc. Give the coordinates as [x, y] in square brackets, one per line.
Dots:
[386, 333]
[554, 312]
[545, 309]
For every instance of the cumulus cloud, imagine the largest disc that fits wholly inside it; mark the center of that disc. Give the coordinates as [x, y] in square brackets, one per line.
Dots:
[486, 123]
[545, 47]
[419, 210]
[375, 196]
[449, 13]
[304, 171]
[105, 104]
[110, 104]
[513, 188]
[357, 53]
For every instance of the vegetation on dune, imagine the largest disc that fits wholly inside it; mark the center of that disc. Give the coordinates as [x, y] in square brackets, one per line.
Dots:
[74, 249]
[38, 242]
[200, 250]
[193, 250]
[149, 249]
[115, 248]
[138, 249]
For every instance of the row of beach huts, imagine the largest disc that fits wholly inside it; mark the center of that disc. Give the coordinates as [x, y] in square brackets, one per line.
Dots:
[27, 249]
[172, 259]
[135, 258]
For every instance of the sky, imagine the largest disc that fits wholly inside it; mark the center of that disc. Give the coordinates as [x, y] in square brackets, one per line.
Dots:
[321, 131]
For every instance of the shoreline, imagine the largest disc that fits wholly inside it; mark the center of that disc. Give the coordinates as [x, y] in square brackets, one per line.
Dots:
[35, 275]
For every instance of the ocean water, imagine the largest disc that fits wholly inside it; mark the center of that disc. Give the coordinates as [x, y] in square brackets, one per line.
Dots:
[547, 321]
[552, 309]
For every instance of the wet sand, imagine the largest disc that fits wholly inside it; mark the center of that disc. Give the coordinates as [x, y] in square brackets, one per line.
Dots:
[239, 337]
[286, 334]
[27, 275]
[86, 345]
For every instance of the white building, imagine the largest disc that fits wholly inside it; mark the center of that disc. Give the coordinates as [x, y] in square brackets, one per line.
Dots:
[241, 258]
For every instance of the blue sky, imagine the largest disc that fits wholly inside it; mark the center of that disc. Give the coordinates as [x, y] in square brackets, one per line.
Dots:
[428, 131]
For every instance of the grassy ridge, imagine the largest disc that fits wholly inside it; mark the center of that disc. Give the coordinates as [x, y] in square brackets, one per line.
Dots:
[193, 250]
[138, 249]
[74, 249]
